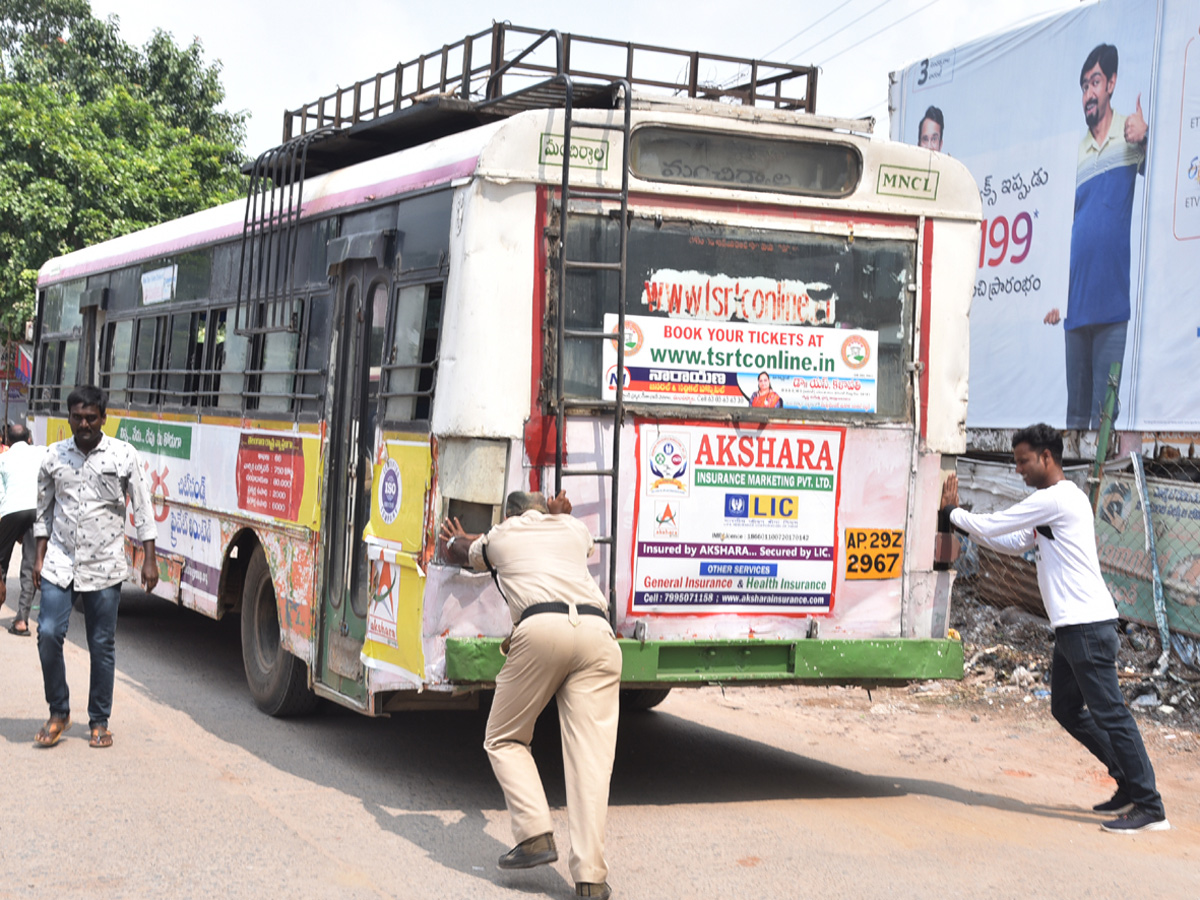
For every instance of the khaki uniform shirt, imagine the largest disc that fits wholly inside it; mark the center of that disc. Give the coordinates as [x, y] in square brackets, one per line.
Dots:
[540, 559]
[81, 509]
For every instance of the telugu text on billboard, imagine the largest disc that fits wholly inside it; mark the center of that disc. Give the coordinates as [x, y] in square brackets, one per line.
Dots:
[1083, 133]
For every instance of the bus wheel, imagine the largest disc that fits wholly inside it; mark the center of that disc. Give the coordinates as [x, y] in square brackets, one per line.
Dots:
[636, 699]
[278, 680]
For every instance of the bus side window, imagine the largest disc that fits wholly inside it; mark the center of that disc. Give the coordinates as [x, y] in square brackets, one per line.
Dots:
[58, 364]
[184, 356]
[316, 353]
[115, 368]
[277, 379]
[194, 279]
[145, 354]
[70, 368]
[48, 382]
[226, 354]
[411, 364]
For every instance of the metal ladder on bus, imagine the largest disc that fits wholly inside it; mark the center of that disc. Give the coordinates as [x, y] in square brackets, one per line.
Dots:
[274, 202]
[565, 268]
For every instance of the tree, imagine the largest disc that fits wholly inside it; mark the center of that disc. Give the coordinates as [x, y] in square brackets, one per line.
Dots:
[98, 138]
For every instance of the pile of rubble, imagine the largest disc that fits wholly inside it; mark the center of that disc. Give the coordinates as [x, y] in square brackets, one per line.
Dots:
[1011, 649]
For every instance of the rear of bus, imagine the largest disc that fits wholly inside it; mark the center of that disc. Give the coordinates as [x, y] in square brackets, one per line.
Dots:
[794, 376]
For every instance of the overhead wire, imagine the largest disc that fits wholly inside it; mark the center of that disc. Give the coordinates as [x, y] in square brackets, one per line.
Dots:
[852, 22]
[869, 37]
[738, 76]
[879, 32]
[807, 28]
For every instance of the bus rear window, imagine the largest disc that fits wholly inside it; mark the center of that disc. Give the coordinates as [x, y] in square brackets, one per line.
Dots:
[720, 316]
[715, 159]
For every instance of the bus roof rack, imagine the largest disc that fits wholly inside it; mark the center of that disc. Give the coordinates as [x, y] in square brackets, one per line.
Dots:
[480, 79]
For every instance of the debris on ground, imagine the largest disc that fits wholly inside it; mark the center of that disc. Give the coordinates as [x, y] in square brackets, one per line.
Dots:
[1007, 654]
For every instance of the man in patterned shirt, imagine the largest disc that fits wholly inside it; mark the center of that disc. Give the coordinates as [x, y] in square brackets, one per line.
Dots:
[1111, 156]
[80, 531]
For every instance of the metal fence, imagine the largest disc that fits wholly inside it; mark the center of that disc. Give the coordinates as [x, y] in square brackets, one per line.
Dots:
[1147, 533]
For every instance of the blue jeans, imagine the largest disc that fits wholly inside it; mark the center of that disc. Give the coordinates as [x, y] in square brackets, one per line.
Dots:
[100, 618]
[1091, 351]
[1086, 699]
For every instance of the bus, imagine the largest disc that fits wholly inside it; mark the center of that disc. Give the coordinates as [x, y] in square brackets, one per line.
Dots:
[733, 331]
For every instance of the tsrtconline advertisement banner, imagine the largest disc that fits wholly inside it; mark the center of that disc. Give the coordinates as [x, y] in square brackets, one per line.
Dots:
[1079, 130]
[740, 364]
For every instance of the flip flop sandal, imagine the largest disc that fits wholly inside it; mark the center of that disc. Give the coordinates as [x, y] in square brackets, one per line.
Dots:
[12, 629]
[101, 738]
[51, 733]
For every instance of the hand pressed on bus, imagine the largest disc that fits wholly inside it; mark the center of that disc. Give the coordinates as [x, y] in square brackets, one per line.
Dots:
[949, 491]
[457, 541]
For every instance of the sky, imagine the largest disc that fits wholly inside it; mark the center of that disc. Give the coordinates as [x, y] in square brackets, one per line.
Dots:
[280, 55]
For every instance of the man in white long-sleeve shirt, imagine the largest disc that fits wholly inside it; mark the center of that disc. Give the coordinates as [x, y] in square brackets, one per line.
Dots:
[1057, 523]
[18, 508]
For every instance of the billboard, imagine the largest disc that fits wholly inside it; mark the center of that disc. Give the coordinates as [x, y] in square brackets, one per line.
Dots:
[1083, 133]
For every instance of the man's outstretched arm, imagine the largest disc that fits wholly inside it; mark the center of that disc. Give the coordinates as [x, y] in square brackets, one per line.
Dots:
[1009, 531]
[457, 541]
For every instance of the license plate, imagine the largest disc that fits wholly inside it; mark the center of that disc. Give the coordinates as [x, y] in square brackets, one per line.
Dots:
[874, 553]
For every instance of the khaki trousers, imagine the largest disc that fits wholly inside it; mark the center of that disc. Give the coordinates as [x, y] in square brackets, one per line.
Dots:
[581, 665]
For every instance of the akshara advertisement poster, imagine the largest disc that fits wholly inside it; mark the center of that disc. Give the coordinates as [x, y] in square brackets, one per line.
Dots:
[730, 519]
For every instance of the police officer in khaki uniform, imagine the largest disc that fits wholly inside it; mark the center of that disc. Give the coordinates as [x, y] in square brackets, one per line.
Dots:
[561, 646]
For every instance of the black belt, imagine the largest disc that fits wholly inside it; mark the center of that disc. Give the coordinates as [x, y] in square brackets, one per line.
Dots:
[538, 608]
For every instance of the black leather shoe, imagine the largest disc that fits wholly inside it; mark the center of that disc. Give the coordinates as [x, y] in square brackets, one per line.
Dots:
[590, 889]
[534, 851]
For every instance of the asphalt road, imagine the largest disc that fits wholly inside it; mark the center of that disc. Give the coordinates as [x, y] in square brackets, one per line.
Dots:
[748, 793]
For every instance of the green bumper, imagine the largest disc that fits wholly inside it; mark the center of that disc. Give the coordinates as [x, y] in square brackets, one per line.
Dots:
[872, 661]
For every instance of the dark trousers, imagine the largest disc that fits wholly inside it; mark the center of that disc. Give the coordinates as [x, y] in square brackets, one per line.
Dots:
[18, 526]
[1086, 699]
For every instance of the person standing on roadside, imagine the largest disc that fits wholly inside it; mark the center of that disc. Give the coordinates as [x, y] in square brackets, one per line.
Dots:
[80, 529]
[561, 646]
[18, 507]
[1056, 522]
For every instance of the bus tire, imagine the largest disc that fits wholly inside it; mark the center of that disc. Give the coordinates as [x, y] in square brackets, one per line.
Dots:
[639, 699]
[278, 680]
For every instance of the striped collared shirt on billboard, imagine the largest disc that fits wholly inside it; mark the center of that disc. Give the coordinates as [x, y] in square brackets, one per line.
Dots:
[1105, 178]
[81, 509]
